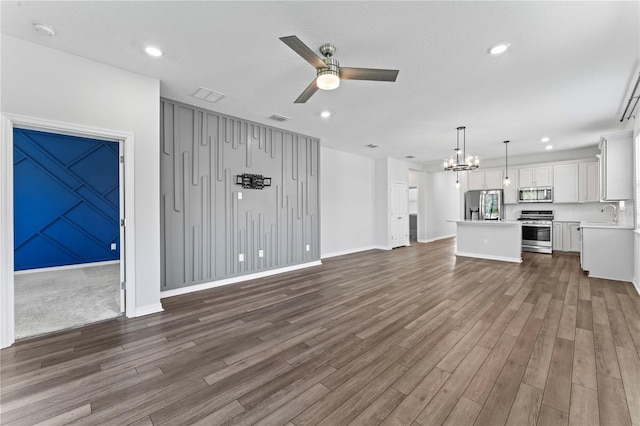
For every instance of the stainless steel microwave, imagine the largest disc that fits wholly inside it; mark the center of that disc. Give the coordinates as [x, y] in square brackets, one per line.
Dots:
[535, 195]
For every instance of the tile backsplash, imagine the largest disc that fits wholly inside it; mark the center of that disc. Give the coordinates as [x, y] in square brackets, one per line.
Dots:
[591, 212]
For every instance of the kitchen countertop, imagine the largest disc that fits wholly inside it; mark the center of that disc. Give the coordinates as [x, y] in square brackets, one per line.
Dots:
[605, 225]
[488, 222]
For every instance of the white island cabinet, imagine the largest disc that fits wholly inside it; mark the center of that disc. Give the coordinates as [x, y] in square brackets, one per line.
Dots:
[489, 239]
[607, 251]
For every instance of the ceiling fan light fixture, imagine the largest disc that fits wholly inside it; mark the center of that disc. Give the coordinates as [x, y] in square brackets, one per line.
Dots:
[328, 80]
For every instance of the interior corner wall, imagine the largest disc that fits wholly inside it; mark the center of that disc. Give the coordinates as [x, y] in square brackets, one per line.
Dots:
[213, 228]
[444, 205]
[41, 82]
[381, 204]
[348, 206]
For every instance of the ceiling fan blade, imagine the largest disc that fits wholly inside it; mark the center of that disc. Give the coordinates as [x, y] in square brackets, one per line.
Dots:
[347, 73]
[303, 50]
[308, 92]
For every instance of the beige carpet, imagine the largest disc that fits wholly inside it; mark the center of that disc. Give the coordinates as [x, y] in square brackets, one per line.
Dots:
[56, 300]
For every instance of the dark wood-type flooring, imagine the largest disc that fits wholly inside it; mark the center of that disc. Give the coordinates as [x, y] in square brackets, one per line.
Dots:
[411, 336]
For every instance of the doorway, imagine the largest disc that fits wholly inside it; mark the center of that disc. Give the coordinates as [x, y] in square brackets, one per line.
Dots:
[67, 212]
[10, 121]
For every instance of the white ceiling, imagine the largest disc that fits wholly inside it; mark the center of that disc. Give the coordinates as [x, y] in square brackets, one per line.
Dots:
[567, 75]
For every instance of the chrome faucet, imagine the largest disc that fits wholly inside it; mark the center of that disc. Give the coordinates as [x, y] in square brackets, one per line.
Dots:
[614, 211]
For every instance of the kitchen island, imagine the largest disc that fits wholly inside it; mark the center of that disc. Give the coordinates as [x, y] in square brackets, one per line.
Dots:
[489, 239]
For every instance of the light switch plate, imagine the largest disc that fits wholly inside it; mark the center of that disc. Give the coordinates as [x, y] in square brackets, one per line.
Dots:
[113, 246]
[239, 195]
[241, 257]
[307, 248]
[260, 253]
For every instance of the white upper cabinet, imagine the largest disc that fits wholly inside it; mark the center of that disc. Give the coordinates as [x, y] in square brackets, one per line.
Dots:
[589, 182]
[566, 186]
[491, 179]
[535, 177]
[616, 167]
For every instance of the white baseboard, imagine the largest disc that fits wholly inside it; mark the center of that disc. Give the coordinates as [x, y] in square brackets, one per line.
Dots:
[490, 257]
[636, 284]
[66, 267]
[219, 283]
[343, 252]
[149, 309]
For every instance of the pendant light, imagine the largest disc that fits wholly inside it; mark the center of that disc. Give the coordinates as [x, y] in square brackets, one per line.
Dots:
[507, 182]
[460, 162]
[457, 181]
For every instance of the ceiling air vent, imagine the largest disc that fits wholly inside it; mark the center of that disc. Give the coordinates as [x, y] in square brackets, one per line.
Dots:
[278, 117]
[208, 95]
[372, 145]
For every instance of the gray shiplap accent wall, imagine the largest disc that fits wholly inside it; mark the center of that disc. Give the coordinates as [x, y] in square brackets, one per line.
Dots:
[204, 226]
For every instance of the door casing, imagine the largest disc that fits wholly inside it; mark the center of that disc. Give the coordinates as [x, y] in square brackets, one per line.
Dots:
[7, 124]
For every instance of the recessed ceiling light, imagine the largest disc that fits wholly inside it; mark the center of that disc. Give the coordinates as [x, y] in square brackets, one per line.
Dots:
[44, 29]
[548, 147]
[545, 139]
[499, 49]
[325, 114]
[409, 156]
[153, 51]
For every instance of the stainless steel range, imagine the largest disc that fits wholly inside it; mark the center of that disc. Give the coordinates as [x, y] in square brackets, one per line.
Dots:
[537, 230]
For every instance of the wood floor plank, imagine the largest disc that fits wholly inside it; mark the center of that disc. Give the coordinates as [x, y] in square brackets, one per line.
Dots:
[464, 413]
[418, 398]
[375, 413]
[526, 406]
[549, 416]
[584, 406]
[584, 360]
[612, 402]
[557, 392]
[567, 327]
[482, 383]
[413, 336]
[630, 371]
[606, 358]
[497, 407]
[438, 409]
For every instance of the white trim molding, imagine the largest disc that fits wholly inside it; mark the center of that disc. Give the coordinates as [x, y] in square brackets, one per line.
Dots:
[234, 280]
[8, 122]
[350, 251]
[490, 257]
[66, 267]
[148, 310]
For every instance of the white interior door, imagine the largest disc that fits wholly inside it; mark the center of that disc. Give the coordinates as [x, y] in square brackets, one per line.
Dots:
[399, 214]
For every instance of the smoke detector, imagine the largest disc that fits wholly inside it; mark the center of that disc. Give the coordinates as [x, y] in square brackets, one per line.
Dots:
[44, 29]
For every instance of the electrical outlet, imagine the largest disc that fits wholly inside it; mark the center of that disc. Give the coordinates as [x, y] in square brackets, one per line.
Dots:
[239, 195]
[241, 257]
[260, 253]
[307, 248]
[486, 241]
[113, 246]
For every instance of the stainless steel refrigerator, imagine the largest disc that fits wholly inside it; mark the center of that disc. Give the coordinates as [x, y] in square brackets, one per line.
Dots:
[484, 205]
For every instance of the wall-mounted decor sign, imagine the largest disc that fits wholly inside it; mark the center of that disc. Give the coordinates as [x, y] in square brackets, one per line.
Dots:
[252, 181]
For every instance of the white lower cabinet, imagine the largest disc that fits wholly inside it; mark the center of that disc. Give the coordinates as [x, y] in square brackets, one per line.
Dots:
[566, 236]
[607, 252]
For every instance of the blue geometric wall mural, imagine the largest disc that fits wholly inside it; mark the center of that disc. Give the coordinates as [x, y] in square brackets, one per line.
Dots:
[66, 200]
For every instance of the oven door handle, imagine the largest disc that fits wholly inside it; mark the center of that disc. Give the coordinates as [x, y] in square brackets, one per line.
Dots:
[533, 225]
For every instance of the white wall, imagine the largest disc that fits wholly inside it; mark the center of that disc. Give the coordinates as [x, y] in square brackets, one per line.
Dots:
[346, 201]
[444, 204]
[48, 84]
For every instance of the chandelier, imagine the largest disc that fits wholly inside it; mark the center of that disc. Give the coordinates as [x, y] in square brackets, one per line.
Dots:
[460, 163]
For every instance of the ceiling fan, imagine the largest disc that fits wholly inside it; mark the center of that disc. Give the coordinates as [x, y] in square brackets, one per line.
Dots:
[329, 71]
